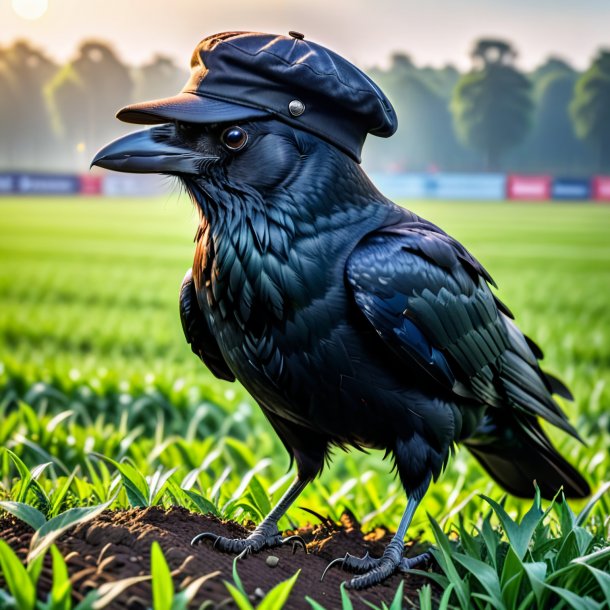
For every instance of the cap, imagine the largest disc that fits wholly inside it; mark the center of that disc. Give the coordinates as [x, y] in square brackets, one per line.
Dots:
[248, 75]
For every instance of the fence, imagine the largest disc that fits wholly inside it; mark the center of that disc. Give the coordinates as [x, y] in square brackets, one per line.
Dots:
[488, 187]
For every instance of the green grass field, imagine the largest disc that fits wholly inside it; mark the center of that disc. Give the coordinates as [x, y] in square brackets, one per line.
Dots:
[92, 359]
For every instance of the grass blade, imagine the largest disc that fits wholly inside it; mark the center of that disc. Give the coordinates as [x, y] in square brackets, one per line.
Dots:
[55, 527]
[17, 578]
[277, 597]
[61, 589]
[26, 513]
[162, 583]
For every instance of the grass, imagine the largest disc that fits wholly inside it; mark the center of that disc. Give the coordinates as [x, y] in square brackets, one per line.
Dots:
[97, 381]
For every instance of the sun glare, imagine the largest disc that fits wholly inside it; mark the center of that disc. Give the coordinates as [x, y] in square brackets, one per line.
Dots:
[30, 9]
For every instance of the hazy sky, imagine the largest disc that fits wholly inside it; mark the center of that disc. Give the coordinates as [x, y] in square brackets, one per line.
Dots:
[431, 31]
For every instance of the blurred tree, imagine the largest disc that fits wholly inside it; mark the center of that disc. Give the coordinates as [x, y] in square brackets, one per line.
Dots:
[492, 105]
[8, 103]
[590, 109]
[26, 135]
[553, 145]
[424, 140]
[159, 78]
[84, 97]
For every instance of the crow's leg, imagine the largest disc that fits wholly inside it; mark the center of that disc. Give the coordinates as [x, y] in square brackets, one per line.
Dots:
[266, 535]
[375, 570]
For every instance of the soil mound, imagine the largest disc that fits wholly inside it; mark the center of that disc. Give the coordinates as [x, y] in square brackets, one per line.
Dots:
[117, 545]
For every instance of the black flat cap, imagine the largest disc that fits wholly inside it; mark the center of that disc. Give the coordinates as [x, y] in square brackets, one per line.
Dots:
[248, 75]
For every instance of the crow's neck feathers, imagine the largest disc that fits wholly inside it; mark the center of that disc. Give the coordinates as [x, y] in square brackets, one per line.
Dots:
[265, 250]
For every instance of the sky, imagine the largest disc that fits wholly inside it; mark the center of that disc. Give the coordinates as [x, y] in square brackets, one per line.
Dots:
[432, 32]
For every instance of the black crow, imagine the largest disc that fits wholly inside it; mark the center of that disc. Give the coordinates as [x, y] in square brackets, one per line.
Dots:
[351, 321]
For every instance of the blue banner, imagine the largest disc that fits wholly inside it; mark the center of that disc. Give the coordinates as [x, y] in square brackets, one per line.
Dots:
[571, 188]
[47, 184]
[7, 183]
[466, 186]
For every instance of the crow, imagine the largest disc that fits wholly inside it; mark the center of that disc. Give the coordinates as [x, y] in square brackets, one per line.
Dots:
[350, 320]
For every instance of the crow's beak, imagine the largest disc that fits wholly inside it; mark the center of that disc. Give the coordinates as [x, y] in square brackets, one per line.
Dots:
[147, 152]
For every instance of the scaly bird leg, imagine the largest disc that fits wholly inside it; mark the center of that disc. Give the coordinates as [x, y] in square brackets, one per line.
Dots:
[375, 570]
[266, 535]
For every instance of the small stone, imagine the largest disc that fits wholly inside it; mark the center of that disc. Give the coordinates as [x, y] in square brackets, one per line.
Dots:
[272, 561]
[259, 593]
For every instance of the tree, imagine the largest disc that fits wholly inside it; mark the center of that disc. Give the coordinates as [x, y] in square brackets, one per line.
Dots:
[590, 109]
[492, 104]
[553, 146]
[84, 96]
[27, 137]
[159, 78]
[424, 139]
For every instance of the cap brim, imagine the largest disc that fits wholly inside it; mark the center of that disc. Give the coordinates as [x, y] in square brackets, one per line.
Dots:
[187, 107]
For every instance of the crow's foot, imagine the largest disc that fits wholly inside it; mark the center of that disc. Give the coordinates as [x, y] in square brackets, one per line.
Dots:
[373, 571]
[263, 537]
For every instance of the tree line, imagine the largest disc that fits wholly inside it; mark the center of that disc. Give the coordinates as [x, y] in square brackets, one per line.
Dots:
[494, 117]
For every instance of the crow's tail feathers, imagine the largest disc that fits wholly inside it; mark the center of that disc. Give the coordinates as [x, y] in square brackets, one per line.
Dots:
[515, 451]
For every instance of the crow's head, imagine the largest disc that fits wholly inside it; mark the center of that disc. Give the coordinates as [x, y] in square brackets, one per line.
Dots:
[254, 112]
[258, 154]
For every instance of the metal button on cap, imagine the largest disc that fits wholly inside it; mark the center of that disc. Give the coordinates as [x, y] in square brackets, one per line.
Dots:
[296, 35]
[296, 108]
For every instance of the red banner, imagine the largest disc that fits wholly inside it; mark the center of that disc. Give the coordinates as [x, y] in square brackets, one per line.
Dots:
[601, 188]
[532, 188]
[90, 185]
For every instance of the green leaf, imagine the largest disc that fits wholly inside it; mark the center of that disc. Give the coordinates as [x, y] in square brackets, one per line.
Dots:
[135, 484]
[240, 598]
[58, 497]
[157, 485]
[425, 598]
[277, 597]
[27, 478]
[519, 535]
[17, 578]
[444, 557]
[237, 579]
[201, 503]
[603, 580]
[486, 575]
[446, 598]
[26, 513]
[536, 574]
[56, 526]
[61, 590]
[260, 497]
[491, 538]
[34, 569]
[575, 601]
[397, 601]
[314, 604]
[574, 545]
[510, 579]
[162, 583]
[182, 599]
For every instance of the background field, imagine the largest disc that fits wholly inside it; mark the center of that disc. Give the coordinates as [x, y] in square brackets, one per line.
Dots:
[89, 328]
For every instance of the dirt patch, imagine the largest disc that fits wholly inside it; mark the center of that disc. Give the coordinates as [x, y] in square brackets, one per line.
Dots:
[117, 545]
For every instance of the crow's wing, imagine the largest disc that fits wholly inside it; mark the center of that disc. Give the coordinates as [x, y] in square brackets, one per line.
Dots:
[428, 299]
[197, 331]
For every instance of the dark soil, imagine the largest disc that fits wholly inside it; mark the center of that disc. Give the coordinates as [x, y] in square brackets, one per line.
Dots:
[117, 545]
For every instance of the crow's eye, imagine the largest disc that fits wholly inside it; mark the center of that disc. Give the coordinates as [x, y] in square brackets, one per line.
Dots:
[234, 138]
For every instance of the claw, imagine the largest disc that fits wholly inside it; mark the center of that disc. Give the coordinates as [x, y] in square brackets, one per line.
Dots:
[203, 536]
[244, 553]
[296, 542]
[409, 563]
[339, 560]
